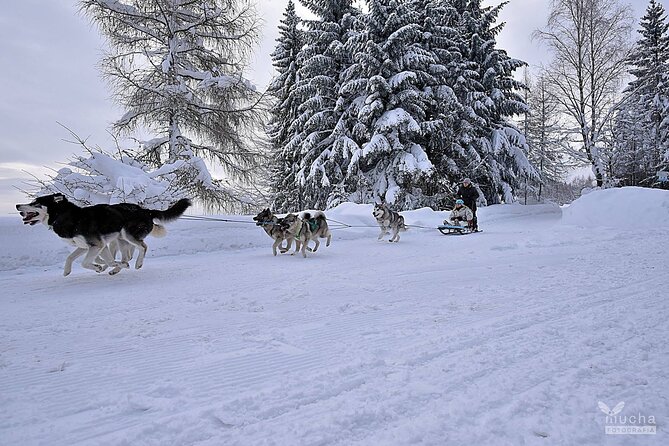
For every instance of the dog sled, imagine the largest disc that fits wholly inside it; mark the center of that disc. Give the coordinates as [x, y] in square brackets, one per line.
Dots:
[451, 229]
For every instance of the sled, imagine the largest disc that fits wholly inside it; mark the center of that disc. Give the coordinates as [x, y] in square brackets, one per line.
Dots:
[455, 230]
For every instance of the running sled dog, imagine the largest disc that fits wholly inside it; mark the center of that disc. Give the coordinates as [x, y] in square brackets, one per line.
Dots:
[275, 228]
[100, 230]
[301, 228]
[305, 227]
[389, 221]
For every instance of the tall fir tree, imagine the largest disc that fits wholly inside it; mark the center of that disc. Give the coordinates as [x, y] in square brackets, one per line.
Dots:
[451, 75]
[402, 102]
[494, 98]
[322, 60]
[647, 108]
[287, 196]
[387, 86]
[629, 158]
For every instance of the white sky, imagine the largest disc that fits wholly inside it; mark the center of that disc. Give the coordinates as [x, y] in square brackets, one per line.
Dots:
[49, 55]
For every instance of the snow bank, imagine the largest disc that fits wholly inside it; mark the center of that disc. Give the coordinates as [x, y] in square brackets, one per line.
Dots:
[503, 212]
[627, 208]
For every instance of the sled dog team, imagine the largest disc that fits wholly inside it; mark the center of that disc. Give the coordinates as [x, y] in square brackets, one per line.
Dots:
[102, 231]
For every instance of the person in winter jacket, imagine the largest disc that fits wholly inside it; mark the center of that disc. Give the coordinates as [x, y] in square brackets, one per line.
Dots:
[469, 195]
[461, 213]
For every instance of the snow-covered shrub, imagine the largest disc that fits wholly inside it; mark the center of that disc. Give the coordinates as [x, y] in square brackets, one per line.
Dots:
[97, 178]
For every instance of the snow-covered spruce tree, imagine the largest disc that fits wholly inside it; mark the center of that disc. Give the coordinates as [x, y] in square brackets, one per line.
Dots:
[384, 91]
[285, 190]
[176, 67]
[631, 164]
[322, 60]
[495, 98]
[441, 129]
[647, 109]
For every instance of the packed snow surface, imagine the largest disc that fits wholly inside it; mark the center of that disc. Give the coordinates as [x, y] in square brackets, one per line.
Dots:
[511, 336]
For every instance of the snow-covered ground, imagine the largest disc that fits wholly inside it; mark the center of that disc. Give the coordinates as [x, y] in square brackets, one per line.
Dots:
[507, 337]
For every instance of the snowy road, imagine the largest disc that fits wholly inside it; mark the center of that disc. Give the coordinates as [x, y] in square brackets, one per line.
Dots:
[508, 337]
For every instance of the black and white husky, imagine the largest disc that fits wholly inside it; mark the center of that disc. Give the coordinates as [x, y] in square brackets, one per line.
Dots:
[93, 229]
[388, 220]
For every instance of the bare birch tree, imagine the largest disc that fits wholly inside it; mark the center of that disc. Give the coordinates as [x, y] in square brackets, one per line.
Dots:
[590, 41]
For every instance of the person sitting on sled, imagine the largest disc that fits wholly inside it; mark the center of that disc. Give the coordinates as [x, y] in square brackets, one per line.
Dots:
[469, 194]
[461, 213]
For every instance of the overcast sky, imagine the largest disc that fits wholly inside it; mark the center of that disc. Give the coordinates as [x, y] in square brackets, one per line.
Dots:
[49, 56]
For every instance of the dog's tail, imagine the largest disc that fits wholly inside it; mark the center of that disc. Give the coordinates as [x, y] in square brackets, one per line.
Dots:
[323, 222]
[172, 213]
[158, 231]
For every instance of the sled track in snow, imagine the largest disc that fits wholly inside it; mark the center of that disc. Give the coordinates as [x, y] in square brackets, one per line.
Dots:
[229, 368]
[504, 331]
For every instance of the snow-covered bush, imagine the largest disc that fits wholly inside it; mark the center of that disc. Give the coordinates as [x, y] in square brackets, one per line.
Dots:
[98, 177]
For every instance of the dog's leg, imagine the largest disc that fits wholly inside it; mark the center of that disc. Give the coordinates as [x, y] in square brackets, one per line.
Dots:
[396, 235]
[126, 256]
[384, 231]
[126, 253]
[276, 243]
[142, 253]
[108, 255]
[93, 252]
[315, 247]
[71, 258]
[327, 243]
[305, 245]
[298, 244]
[289, 244]
[139, 244]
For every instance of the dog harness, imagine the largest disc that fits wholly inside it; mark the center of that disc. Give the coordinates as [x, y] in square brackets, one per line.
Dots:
[313, 224]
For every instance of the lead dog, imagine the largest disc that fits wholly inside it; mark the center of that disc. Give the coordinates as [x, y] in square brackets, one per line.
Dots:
[275, 228]
[93, 228]
[389, 220]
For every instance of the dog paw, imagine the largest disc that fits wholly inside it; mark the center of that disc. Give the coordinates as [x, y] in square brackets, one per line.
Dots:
[99, 268]
[115, 271]
[138, 265]
[67, 272]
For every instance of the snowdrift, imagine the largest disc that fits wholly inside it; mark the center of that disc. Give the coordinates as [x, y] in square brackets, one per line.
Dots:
[625, 208]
